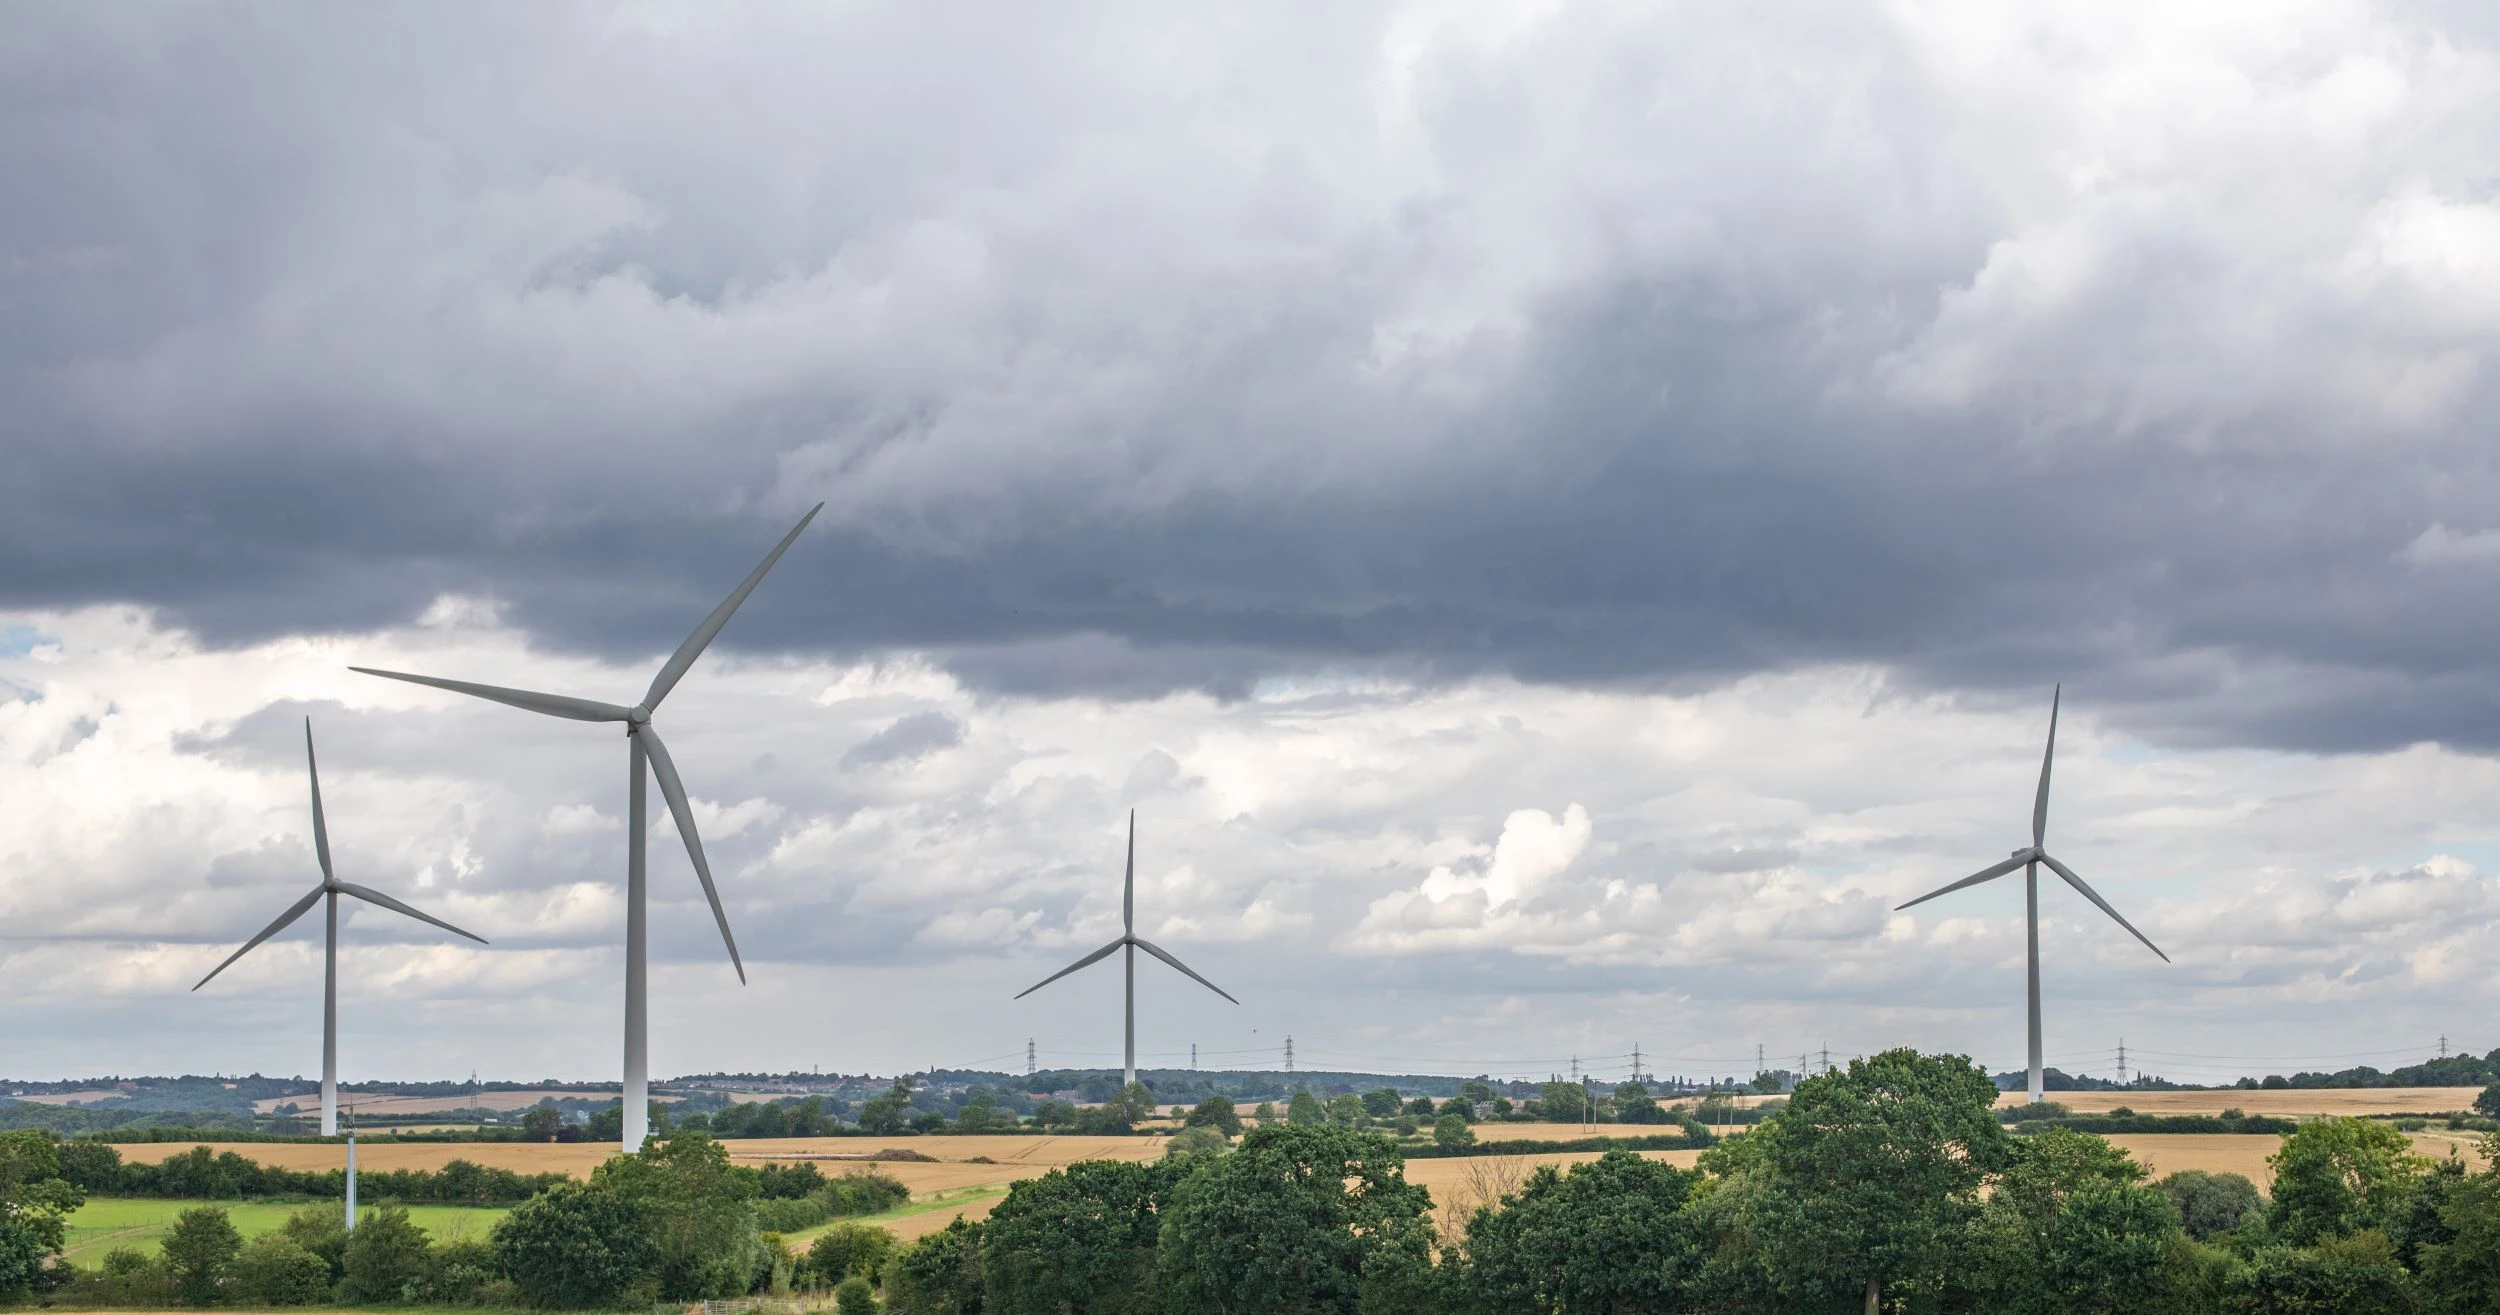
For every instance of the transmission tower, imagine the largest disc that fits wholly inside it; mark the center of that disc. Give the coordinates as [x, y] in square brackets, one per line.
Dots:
[1028, 1057]
[2122, 1061]
[1636, 1061]
[1289, 1054]
[2443, 1045]
[1193, 1054]
[1827, 1058]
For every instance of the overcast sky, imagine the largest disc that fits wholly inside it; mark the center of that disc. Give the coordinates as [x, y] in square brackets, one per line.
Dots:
[1556, 517]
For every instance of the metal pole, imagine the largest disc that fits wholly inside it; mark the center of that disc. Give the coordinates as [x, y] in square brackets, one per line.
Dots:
[637, 1106]
[330, 1022]
[351, 1179]
[1128, 955]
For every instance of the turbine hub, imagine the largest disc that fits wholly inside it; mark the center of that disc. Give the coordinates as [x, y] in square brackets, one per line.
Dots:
[637, 715]
[2024, 852]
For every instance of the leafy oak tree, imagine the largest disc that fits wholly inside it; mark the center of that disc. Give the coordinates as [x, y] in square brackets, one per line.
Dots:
[1312, 1220]
[35, 1202]
[1081, 1238]
[1609, 1238]
[2336, 1177]
[2071, 1229]
[1868, 1178]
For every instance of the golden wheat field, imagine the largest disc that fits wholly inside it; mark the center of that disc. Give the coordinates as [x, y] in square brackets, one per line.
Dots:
[2278, 1104]
[980, 1168]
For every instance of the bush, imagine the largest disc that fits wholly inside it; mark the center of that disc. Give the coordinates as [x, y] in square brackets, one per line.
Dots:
[938, 1275]
[275, 1270]
[575, 1245]
[458, 1273]
[199, 1252]
[386, 1257]
[847, 1250]
[854, 1296]
[1451, 1132]
[2211, 1205]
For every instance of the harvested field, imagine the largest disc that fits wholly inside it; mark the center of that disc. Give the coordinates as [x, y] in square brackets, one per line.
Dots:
[2223, 1152]
[382, 1107]
[73, 1097]
[1017, 1157]
[2278, 1104]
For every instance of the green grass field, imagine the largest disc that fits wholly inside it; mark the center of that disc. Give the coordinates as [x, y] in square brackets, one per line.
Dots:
[108, 1222]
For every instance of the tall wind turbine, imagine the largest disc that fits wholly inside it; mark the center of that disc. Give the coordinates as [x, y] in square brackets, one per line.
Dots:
[2029, 860]
[1130, 941]
[330, 889]
[643, 746]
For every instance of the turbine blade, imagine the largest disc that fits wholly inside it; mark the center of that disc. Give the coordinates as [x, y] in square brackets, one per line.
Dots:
[1087, 962]
[1128, 883]
[370, 896]
[2094, 896]
[2040, 804]
[321, 826]
[1989, 873]
[554, 705]
[266, 932]
[683, 658]
[1158, 951]
[665, 771]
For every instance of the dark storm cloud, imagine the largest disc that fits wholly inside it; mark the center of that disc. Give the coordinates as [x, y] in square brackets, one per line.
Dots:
[315, 315]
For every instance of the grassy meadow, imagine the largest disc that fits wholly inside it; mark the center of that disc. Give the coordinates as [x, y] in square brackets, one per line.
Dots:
[105, 1223]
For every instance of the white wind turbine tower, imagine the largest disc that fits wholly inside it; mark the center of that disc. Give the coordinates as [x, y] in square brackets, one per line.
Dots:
[2029, 860]
[330, 889]
[643, 746]
[1132, 942]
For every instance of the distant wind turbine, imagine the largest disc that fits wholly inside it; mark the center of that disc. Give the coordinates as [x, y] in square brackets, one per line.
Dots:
[1132, 942]
[643, 746]
[330, 889]
[2029, 860]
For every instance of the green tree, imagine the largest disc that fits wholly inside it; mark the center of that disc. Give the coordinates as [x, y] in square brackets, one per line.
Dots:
[457, 1272]
[2353, 1274]
[2334, 1177]
[1305, 1219]
[890, 1113]
[322, 1230]
[199, 1251]
[605, 1124]
[1215, 1112]
[275, 1270]
[1460, 1106]
[1133, 1103]
[1346, 1111]
[1081, 1238]
[386, 1256]
[1304, 1110]
[2461, 1273]
[539, 1122]
[2487, 1103]
[574, 1245]
[1867, 1178]
[1420, 1107]
[854, 1296]
[1381, 1102]
[2069, 1227]
[91, 1166]
[1634, 1104]
[938, 1275]
[1609, 1238]
[1564, 1102]
[1264, 1114]
[847, 1249]
[696, 1201]
[2211, 1205]
[35, 1202]
[1451, 1132]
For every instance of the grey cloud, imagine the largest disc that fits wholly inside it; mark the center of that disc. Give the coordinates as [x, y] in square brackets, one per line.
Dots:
[1664, 374]
[915, 736]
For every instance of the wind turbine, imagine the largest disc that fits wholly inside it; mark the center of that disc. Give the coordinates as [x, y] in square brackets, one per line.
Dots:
[1130, 941]
[2029, 860]
[330, 889]
[643, 746]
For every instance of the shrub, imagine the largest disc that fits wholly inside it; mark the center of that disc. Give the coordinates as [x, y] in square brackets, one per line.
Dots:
[458, 1273]
[199, 1251]
[275, 1270]
[2211, 1205]
[1452, 1132]
[938, 1275]
[854, 1296]
[386, 1256]
[847, 1250]
[575, 1245]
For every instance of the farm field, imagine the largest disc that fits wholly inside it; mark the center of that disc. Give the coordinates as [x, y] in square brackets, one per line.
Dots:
[2279, 1104]
[373, 1106]
[108, 1222]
